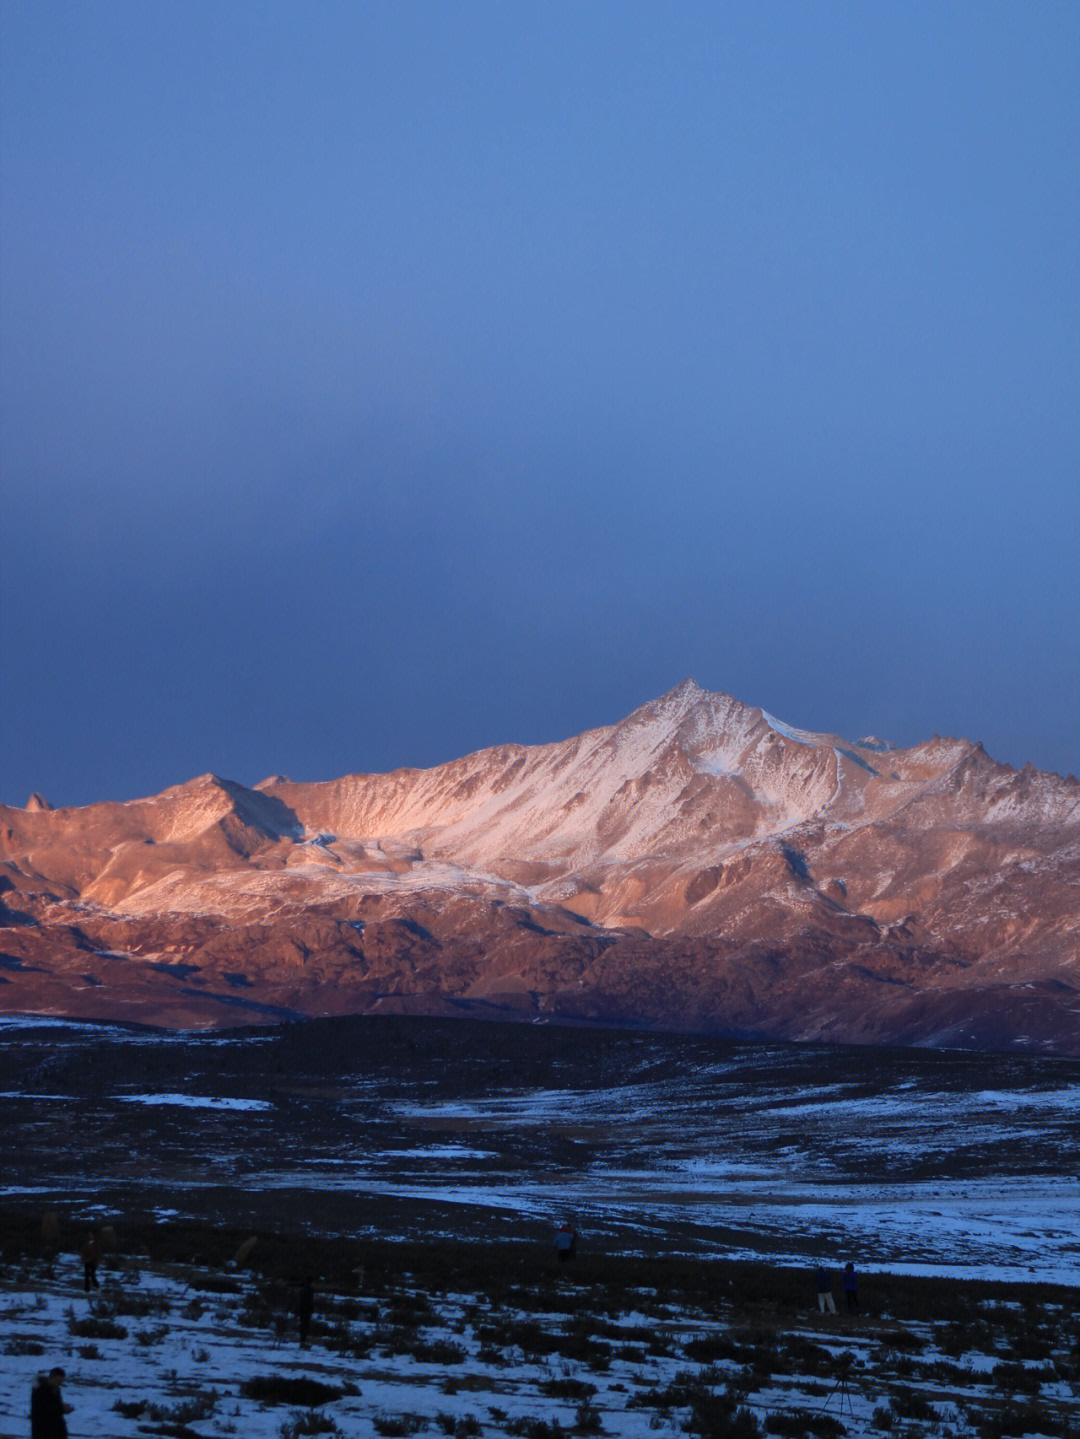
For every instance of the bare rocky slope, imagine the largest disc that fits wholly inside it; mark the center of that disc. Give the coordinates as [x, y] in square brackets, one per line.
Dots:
[698, 865]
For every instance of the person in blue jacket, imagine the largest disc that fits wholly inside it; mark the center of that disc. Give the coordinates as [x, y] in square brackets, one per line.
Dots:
[851, 1288]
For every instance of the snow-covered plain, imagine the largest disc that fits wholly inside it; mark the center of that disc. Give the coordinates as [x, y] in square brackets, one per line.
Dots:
[932, 1162]
[171, 1349]
[953, 1165]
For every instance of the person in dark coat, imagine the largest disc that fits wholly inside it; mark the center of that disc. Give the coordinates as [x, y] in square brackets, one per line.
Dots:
[851, 1287]
[823, 1280]
[305, 1307]
[47, 1407]
[90, 1255]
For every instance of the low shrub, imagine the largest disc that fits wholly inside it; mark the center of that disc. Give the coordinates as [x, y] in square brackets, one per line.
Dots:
[470, 1382]
[568, 1388]
[131, 1408]
[409, 1310]
[399, 1426]
[215, 1284]
[194, 1407]
[755, 1350]
[910, 1404]
[716, 1416]
[808, 1357]
[310, 1423]
[679, 1392]
[20, 1345]
[437, 1351]
[278, 1389]
[95, 1326]
[905, 1341]
[146, 1337]
[632, 1354]
[587, 1419]
[137, 1305]
[802, 1424]
[1013, 1377]
[465, 1426]
[528, 1428]
[1016, 1422]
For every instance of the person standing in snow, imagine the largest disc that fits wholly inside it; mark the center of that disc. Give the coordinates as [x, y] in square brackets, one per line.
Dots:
[305, 1307]
[47, 1407]
[90, 1255]
[566, 1241]
[851, 1288]
[825, 1300]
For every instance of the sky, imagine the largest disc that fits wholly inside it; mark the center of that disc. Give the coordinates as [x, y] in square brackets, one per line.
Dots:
[383, 381]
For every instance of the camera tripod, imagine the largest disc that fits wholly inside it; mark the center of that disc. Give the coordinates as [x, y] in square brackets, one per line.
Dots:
[841, 1385]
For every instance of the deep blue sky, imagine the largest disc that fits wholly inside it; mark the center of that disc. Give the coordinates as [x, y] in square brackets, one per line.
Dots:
[381, 381]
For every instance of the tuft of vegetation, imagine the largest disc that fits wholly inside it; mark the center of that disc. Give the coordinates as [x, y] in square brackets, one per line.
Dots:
[187, 1411]
[399, 1426]
[803, 1424]
[717, 1416]
[21, 1345]
[466, 1426]
[131, 1408]
[437, 1351]
[147, 1337]
[568, 1388]
[310, 1423]
[136, 1305]
[215, 1284]
[94, 1326]
[529, 1428]
[910, 1404]
[279, 1389]
[1022, 1378]
[587, 1419]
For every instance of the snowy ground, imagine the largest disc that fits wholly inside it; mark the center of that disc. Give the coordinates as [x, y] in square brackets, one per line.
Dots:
[933, 1162]
[449, 1138]
[468, 1364]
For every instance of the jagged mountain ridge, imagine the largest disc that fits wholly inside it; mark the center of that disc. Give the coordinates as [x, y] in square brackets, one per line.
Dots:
[748, 855]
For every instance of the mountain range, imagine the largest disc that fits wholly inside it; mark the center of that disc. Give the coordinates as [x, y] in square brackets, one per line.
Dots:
[699, 865]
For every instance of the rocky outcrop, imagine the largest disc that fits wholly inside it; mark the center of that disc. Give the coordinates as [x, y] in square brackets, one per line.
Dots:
[698, 865]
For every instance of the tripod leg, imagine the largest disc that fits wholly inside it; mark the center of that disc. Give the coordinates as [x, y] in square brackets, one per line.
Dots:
[832, 1391]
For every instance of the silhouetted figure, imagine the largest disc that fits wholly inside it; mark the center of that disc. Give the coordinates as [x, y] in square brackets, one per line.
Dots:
[305, 1307]
[851, 1288]
[50, 1231]
[825, 1300]
[566, 1242]
[243, 1254]
[47, 1407]
[90, 1255]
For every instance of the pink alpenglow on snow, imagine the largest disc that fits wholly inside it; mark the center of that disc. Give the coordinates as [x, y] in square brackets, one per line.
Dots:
[698, 865]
